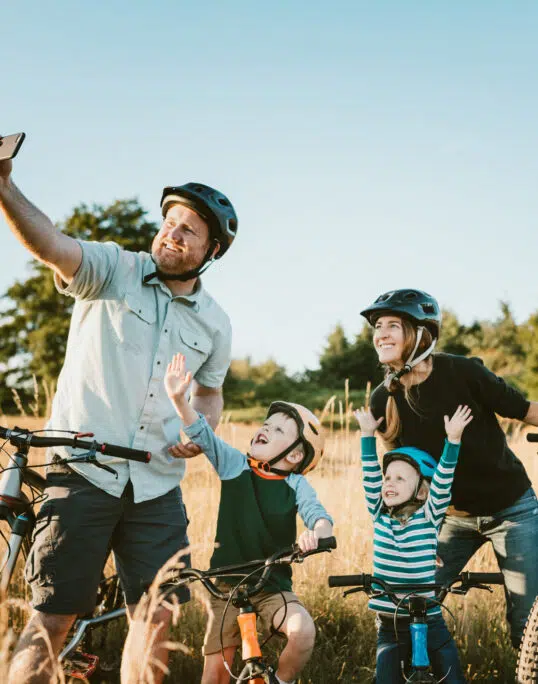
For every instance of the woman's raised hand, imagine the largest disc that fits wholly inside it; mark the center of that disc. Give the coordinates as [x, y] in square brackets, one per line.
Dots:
[367, 422]
[456, 425]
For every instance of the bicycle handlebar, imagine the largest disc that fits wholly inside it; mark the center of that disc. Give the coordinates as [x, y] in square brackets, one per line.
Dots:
[287, 556]
[20, 437]
[366, 583]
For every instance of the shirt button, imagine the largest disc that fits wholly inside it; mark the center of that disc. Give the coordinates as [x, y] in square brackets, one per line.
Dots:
[166, 330]
[151, 395]
[158, 363]
[141, 427]
[196, 344]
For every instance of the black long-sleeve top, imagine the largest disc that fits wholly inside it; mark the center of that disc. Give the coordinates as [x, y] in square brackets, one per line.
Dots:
[489, 476]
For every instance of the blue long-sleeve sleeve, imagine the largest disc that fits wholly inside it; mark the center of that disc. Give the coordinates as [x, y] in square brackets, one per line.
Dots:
[227, 461]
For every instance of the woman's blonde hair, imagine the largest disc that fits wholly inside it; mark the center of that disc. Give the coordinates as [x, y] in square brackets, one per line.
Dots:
[392, 418]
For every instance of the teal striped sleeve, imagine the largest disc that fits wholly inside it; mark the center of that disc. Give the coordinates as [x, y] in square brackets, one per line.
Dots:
[441, 486]
[372, 476]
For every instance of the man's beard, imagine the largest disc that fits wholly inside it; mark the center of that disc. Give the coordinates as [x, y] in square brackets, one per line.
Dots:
[175, 263]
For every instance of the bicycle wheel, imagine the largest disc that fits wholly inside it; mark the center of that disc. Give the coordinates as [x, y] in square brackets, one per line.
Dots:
[527, 664]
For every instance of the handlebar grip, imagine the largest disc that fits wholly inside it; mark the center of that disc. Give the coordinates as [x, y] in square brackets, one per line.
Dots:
[532, 437]
[346, 580]
[483, 577]
[125, 452]
[327, 543]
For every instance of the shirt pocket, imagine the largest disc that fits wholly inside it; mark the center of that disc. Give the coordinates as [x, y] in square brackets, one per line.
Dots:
[195, 346]
[135, 323]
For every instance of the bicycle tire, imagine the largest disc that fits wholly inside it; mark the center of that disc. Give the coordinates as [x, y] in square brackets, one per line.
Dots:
[527, 662]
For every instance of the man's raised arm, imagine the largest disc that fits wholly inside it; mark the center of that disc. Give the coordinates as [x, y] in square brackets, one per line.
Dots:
[36, 231]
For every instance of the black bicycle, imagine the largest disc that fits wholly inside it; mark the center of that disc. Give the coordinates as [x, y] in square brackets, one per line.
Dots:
[527, 662]
[409, 598]
[22, 489]
[248, 580]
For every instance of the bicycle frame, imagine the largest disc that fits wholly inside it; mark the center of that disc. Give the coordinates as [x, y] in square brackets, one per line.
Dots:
[417, 609]
[255, 670]
[17, 510]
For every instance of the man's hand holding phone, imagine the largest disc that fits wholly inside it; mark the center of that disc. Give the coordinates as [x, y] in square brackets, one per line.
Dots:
[9, 146]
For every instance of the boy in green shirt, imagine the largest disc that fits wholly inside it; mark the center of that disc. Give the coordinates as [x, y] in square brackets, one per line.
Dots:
[261, 493]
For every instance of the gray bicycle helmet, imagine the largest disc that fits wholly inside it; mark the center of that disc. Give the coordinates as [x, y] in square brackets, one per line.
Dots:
[416, 305]
[211, 205]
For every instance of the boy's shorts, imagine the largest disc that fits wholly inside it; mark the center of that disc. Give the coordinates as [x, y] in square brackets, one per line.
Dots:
[78, 524]
[266, 605]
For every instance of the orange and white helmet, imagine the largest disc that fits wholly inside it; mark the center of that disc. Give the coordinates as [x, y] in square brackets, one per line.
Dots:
[311, 433]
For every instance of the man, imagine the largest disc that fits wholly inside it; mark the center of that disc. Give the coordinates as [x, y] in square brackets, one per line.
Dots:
[132, 313]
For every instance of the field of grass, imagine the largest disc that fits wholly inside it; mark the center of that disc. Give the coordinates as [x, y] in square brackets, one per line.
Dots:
[345, 644]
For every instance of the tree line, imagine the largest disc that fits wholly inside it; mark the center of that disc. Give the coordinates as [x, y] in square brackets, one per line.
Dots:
[34, 322]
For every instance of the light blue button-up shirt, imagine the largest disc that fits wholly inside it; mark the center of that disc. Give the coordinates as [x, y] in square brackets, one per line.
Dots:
[123, 334]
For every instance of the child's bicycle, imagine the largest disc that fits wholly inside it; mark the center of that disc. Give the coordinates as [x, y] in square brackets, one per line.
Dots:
[17, 509]
[527, 662]
[256, 670]
[411, 600]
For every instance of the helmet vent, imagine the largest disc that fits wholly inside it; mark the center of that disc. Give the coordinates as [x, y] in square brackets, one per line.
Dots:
[199, 188]
[383, 297]
[314, 430]
[223, 201]
[428, 308]
[410, 295]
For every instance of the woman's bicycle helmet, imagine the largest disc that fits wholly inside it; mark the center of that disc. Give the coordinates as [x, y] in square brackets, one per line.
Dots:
[416, 305]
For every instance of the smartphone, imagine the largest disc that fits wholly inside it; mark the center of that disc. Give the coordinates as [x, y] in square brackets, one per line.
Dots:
[10, 145]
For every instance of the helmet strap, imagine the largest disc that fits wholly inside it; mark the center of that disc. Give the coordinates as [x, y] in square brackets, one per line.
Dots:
[189, 275]
[264, 467]
[268, 466]
[411, 361]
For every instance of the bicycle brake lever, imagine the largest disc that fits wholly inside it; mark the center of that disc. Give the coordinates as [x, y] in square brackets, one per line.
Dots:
[352, 591]
[103, 466]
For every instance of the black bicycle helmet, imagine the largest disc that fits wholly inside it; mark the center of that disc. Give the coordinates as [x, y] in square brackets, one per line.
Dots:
[211, 205]
[416, 305]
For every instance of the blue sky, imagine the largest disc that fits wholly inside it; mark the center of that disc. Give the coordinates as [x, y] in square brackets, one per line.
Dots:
[365, 145]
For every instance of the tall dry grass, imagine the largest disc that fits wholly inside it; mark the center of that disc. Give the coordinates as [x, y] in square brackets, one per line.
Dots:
[345, 648]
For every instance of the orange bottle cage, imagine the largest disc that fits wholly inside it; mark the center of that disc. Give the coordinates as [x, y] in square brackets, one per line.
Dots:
[249, 636]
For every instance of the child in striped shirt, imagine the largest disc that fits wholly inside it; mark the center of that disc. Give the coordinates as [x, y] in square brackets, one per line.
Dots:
[408, 503]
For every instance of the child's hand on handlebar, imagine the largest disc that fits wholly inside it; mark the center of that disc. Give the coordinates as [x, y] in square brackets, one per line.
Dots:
[308, 541]
[367, 422]
[177, 379]
[456, 425]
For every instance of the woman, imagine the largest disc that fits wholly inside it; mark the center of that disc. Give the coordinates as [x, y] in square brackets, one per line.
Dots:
[492, 496]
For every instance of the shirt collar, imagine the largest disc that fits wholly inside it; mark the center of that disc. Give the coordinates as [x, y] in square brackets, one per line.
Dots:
[192, 300]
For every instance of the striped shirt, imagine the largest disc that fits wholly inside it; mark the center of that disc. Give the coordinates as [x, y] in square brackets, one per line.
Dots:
[405, 552]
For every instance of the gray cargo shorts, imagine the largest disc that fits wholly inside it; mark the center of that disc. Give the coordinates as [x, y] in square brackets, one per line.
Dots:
[77, 527]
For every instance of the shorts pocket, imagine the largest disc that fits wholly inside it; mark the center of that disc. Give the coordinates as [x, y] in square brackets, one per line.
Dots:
[41, 564]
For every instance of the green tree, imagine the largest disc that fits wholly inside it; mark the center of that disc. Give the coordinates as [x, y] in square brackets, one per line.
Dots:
[499, 345]
[529, 343]
[35, 319]
[341, 359]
